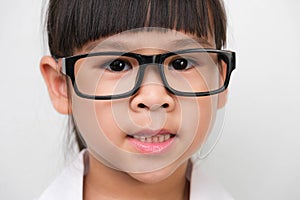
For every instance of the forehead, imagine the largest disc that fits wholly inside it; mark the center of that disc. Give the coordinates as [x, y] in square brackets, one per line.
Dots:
[158, 38]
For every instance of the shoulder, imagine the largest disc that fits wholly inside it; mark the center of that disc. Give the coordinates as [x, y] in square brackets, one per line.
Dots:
[68, 185]
[204, 187]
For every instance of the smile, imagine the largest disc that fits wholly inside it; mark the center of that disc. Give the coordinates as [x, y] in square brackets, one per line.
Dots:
[151, 142]
[153, 139]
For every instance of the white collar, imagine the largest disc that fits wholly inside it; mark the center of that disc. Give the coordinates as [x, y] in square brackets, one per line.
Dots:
[69, 185]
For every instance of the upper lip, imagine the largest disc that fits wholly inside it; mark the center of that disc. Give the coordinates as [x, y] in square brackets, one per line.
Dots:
[150, 133]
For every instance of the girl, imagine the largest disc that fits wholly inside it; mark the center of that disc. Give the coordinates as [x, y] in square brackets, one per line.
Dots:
[142, 82]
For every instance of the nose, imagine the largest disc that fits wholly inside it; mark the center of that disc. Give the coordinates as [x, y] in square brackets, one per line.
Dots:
[152, 94]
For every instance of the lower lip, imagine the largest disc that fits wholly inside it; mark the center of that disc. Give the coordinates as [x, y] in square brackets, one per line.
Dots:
[151, 147]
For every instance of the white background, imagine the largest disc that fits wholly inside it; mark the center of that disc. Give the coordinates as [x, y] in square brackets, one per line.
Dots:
[258, 156]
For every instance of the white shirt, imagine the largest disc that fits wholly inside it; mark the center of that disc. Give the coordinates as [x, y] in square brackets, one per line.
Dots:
[69, 185]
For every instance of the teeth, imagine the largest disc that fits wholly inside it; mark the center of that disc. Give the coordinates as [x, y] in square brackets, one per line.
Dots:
[167, 136]
[161, 138]
[155, 139]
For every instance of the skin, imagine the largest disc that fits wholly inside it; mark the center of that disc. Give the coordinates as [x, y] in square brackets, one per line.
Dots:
[102, 181]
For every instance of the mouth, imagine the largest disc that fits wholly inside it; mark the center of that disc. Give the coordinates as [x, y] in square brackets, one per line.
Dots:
[151, 141]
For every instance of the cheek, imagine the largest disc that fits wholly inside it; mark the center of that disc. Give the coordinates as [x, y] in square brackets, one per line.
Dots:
[107, 122]
[201, 121]
[95, 121]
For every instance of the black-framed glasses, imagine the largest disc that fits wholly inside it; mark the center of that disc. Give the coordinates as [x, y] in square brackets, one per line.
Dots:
[114, 75]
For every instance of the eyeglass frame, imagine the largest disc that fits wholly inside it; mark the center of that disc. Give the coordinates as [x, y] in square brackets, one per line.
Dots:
[229, 57]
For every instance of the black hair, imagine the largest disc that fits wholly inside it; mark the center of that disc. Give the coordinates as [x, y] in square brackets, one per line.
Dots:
[73, 23]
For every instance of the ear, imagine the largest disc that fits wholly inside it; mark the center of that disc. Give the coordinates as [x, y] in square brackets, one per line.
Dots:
[56, 84]
[222, 97]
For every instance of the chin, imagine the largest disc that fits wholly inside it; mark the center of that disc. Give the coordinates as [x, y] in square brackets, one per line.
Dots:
[150, 177]
[156, 176]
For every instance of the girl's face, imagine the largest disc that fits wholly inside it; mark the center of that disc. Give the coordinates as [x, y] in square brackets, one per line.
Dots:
[150, 134]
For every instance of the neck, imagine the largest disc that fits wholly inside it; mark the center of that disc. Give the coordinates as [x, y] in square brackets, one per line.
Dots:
[102, 182]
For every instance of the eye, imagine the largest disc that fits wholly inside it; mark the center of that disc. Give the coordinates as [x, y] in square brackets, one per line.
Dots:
[180, 64]
[118, 66]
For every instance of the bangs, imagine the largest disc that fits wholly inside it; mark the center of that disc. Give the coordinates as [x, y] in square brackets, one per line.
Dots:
[71, 24]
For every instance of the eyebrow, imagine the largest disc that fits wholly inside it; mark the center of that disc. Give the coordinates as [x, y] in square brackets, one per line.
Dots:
[109, 45]
[191, 41]
[173, 44]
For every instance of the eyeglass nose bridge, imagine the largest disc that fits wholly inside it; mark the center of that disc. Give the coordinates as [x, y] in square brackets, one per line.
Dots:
[148, 59]
[157, 59]
[151, 61]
